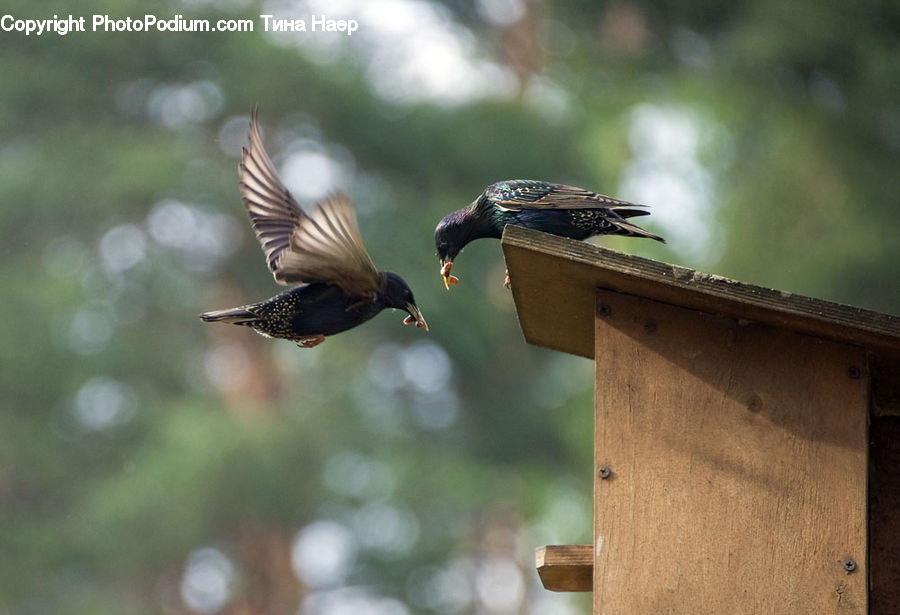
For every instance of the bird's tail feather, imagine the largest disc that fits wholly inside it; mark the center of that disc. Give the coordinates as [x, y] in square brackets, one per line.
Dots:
[633, 230]
[238, 316]
[630, 213]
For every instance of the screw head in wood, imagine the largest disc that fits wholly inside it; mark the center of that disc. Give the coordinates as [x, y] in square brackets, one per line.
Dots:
[849, 565]
[604, 472]
[754, 402]
[603, 310]
[853, 372]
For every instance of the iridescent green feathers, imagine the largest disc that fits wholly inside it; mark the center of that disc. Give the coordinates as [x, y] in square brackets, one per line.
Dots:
[558, 209]
[584, 209]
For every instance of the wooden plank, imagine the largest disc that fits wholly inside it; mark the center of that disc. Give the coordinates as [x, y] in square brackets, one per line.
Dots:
[553, 282]
[737, 465]
[884, 516]
[565, 568]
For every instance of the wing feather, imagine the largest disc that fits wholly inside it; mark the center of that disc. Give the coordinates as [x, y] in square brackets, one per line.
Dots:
[326, 245]
[273, 211]
[518, 195]
[322, 245]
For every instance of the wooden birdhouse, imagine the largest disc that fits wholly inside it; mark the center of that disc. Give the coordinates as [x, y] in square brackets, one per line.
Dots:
[746, 441]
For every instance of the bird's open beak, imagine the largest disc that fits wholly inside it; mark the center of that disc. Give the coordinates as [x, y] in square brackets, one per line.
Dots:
[415, 316]
[445, 273]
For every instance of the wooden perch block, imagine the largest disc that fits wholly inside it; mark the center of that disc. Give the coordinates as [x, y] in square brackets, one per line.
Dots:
[565, 568]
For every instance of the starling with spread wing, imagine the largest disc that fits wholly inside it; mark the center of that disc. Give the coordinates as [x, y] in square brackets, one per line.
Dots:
[552, 208]
[321, 251]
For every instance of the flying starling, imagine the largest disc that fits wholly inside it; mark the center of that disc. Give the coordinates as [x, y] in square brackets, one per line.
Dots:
[321, 250]
[552, 208]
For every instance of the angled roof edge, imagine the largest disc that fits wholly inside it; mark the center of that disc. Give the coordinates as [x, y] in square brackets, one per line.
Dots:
[554, 282]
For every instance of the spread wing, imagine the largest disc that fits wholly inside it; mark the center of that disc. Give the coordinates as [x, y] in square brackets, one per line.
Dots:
[323, 245]
[326, 246]
[520, 194]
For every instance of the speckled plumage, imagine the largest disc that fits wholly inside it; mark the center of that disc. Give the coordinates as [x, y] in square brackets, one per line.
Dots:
[321, 250]
[310, 310]
[552, 208]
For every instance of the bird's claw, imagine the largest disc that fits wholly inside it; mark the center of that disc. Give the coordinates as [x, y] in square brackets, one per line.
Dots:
[445, 273]
[420, 323]
[310, 342]
[506, 281]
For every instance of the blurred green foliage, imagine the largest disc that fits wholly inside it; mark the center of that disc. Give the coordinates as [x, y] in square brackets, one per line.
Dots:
[150, 463]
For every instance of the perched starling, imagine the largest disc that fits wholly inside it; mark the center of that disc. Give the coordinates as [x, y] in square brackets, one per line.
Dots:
[552, 208]
[321, 250]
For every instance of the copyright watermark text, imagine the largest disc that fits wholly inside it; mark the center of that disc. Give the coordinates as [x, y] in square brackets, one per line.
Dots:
[63, 26]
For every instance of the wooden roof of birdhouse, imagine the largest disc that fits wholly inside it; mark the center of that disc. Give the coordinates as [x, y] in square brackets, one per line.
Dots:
[554, 282]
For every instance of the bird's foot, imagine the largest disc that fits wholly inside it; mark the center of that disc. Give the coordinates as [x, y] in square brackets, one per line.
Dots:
[506, 282]
[310, 342]
[449, 280]
[420, 324]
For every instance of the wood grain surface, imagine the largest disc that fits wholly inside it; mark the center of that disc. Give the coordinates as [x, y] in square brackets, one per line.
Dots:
[737, 457]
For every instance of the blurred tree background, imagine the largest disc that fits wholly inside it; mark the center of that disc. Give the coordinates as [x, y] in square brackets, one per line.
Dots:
[153, 464]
